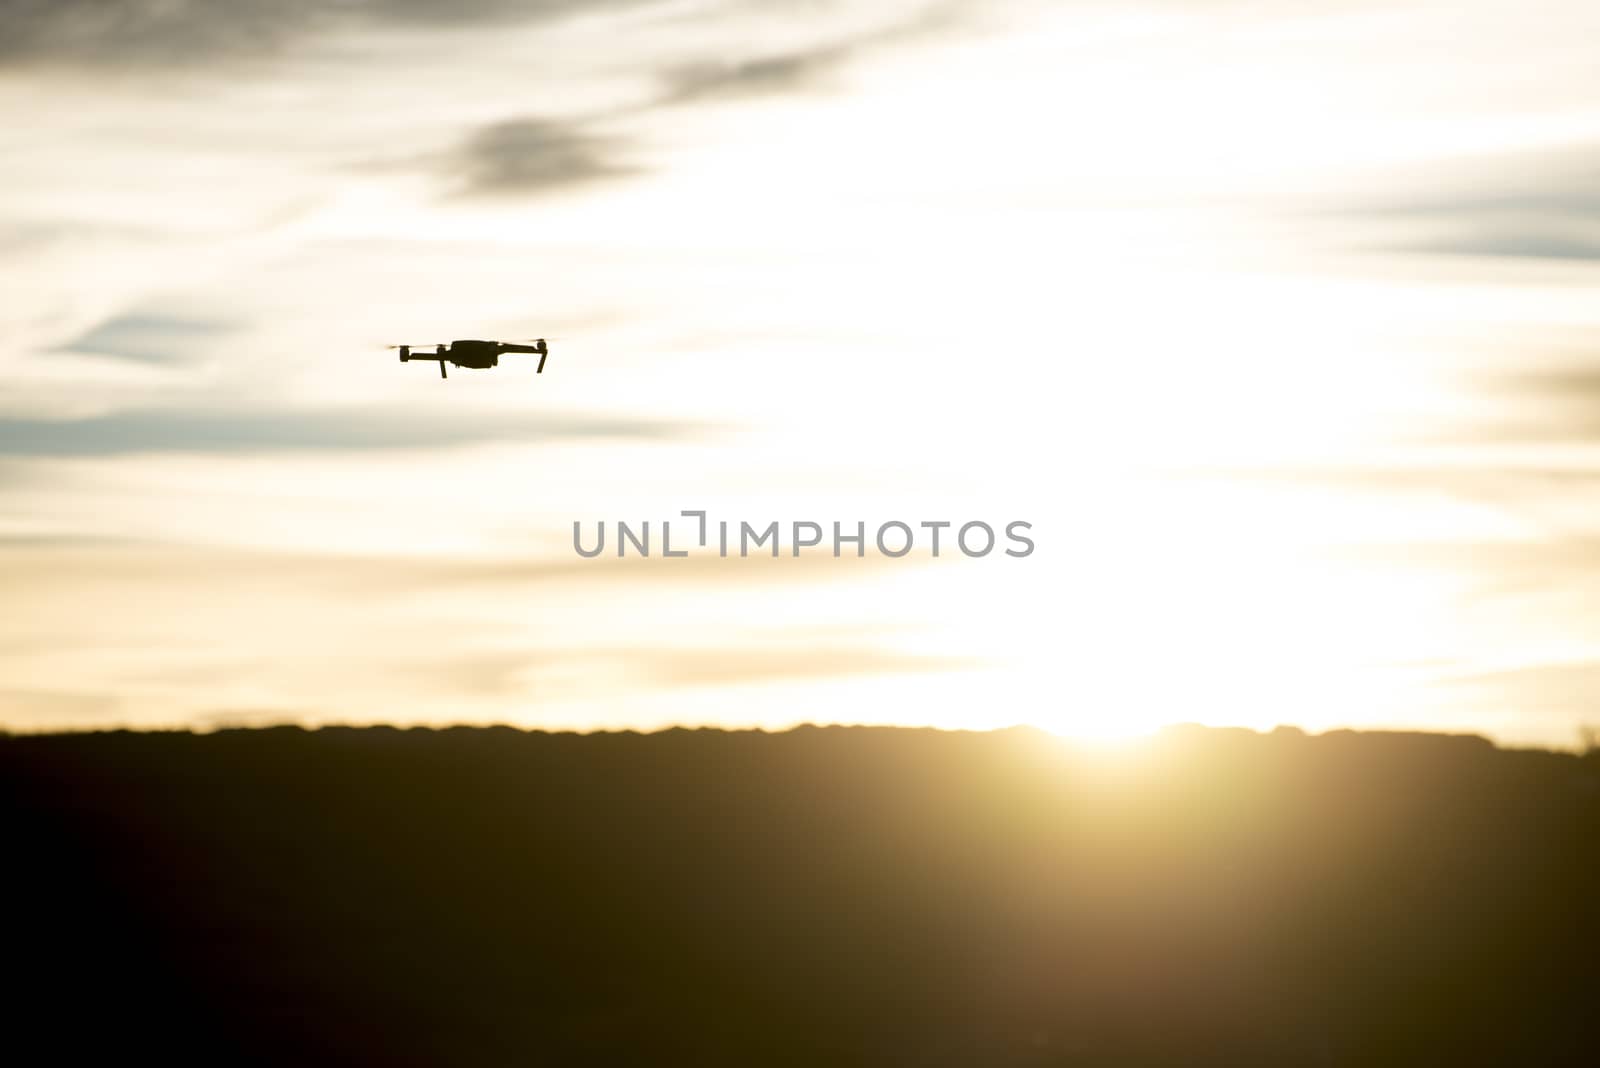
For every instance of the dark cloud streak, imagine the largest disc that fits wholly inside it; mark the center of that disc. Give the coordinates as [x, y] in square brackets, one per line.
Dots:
[798, 69]
[184, 430]
[786, 73]
[1528, 205]
[198, 33]
[148, 338]
[534, 155]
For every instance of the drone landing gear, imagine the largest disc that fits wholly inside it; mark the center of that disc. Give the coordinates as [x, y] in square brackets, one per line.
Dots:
[442, 372]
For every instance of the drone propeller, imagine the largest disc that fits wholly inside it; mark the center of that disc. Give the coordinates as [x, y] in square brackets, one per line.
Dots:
[430, 345]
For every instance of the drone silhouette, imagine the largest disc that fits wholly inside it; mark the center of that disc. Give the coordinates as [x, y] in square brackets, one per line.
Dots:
[474, 354]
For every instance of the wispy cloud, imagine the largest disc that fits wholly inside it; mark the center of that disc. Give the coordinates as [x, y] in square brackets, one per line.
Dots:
[196, 34]
[805, 66]
[752, 77]
[312, 636]
[1530, 204]
[203, 32]
[1554, 402]
[200, 430]
[149, 338]
[534, 155]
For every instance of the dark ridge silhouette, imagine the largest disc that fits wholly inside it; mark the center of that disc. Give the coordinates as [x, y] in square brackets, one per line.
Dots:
[839, 896]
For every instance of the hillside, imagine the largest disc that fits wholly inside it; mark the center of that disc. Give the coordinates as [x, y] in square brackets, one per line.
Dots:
[821, 896]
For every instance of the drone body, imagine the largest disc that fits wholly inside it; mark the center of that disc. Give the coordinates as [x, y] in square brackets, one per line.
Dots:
[475, 354]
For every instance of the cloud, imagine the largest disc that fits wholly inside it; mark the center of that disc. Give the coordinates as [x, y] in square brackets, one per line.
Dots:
[172, 631]
[534, 155]
[1539, 205]
[202, 32]
[1557, 402]
[1580, 381]
[784, 73]
[803, 68]
[1554, 402]
[702, 569]
[149, 338]
[40, 560]
[186, 430]
[1525, 241]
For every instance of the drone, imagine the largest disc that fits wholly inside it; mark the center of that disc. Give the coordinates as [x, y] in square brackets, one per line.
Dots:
[475, 354]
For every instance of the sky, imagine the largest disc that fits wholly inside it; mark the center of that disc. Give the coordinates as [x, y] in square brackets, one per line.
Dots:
[1276, 322]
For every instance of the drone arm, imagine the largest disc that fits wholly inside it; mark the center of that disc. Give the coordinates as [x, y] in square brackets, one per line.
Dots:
[538, 348]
